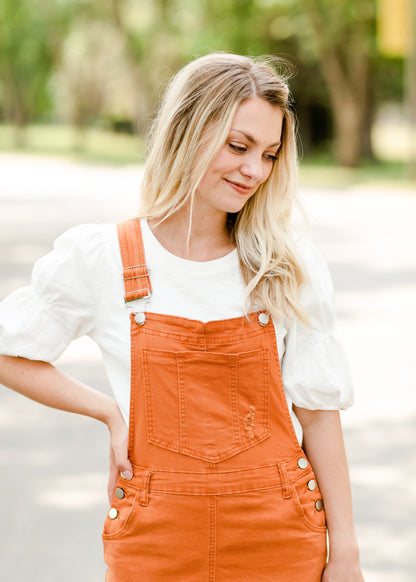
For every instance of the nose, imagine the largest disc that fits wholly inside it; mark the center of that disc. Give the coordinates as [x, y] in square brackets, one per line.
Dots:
[252, 168]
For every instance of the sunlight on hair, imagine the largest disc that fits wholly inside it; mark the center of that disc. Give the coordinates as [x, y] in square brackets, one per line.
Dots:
[192, 126]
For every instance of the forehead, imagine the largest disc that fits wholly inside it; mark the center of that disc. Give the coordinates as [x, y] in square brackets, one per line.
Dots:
[259, 119]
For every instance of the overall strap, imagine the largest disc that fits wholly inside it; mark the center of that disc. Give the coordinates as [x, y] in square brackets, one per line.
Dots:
[135, 272]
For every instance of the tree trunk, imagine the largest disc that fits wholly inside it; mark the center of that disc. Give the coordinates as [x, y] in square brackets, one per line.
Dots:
[15, 112]
[348, 131]
[79, 138]
[19, 136]
[345, 66]
[143, 96]
[349, 107]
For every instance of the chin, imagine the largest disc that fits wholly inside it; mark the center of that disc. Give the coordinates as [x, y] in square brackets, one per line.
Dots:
[234, 206]
[234, 209]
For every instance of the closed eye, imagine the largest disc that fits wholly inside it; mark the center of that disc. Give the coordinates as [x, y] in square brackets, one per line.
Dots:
[238, 149]
[242, 149]
[270, 157]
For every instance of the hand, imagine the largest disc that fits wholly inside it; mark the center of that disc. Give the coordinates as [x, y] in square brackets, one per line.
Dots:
[345, 570]
[119, 440]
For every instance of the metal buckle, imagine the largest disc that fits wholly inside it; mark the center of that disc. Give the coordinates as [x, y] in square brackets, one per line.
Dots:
[136, 267]
[137, 277]
[139, 298]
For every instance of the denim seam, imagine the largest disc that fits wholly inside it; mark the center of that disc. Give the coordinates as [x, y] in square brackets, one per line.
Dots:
[212, 538]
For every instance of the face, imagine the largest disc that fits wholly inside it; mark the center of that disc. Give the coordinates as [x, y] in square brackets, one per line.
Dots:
[246, 159]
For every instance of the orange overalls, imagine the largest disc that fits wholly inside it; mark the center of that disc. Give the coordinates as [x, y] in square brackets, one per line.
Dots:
[222, 491]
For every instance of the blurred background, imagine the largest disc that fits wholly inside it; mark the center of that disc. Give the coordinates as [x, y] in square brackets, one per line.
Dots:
[80, 81]
[84, 75]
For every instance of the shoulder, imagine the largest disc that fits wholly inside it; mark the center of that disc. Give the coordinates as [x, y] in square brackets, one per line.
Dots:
[315, 369]
[86, 237]
[80, 256]
[85, 245]
[313, 261]
[317, 291]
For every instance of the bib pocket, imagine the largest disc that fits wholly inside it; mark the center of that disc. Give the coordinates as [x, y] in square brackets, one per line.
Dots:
[207, 405]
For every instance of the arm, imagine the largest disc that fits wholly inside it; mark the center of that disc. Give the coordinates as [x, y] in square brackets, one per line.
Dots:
[324, 445]
[47, 385]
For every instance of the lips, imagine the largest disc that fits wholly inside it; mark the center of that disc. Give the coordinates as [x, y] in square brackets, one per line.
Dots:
[239, 187]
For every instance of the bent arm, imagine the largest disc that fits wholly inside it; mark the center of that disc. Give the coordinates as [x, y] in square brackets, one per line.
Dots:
[42, 382]
[324, 445]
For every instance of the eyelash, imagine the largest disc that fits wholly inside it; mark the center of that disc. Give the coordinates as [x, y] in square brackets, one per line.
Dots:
[241, 150]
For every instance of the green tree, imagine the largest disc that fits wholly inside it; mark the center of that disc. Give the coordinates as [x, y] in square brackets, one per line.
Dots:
[92, 79]
[158, 38]
[25, 62]
[344, 37]
[329, 41]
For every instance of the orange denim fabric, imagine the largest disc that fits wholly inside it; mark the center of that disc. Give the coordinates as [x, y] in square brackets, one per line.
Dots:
[218, 492]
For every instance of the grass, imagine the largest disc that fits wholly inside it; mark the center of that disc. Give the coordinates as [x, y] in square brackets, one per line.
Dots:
[100, 146]
[321, 171]
[96, 145]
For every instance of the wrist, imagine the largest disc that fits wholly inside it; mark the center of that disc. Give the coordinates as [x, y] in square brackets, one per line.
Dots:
[111, 414]
[344, 545]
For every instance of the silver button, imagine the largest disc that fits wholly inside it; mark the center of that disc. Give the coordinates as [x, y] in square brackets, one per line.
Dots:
[311, 484]
[140, 318]
[302, 463]
[264, 318]
[319, 505]
[120, 493]
[112, 514]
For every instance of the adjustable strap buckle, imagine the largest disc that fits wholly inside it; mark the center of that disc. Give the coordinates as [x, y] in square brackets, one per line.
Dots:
[132, 273]
[134, 261]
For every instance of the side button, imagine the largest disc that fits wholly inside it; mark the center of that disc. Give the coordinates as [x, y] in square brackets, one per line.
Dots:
[302, 463]
[112, 514]
[120, 493]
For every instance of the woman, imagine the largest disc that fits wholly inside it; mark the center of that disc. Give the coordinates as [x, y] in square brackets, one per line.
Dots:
[216, 327]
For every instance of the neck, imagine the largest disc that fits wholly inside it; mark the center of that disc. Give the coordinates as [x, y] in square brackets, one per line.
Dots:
[209, 237]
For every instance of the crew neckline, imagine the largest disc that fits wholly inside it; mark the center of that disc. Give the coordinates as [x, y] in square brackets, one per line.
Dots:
[226, 259]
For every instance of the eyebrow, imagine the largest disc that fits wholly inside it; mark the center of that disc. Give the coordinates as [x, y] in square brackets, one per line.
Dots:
[252, 140]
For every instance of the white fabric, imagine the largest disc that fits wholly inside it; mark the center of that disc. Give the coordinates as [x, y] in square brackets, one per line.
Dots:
[77, 289]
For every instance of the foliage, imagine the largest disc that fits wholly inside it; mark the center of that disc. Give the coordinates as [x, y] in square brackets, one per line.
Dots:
[25, 60]
[83, 60]
[91, 74]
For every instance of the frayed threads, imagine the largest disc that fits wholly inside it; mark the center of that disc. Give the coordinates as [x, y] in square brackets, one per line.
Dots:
[249, 422]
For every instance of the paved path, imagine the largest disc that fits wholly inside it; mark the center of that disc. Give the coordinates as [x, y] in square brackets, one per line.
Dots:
[53, 465]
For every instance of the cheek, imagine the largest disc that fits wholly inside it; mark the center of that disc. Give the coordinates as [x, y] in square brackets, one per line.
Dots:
[267, 171]
[216, 171]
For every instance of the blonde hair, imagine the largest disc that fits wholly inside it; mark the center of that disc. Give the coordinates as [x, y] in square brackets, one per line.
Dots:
[191, 128]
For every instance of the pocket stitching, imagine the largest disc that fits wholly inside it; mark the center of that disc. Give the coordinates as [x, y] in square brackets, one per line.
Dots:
[126, 521]
[181, 444]
[302, 514]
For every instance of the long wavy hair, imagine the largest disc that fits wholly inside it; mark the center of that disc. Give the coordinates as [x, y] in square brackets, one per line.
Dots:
[188, 133]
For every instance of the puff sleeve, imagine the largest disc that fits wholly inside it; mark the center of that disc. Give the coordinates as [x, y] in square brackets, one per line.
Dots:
[315, 369]
[39, 321]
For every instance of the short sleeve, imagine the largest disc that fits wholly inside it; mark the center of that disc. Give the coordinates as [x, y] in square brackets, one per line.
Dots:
[315, 370]
[39, 321]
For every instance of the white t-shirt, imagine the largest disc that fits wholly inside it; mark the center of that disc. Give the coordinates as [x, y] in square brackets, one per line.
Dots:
[77, 289]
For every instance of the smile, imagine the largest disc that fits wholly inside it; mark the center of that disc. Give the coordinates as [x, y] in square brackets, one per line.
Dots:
[238, 187]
